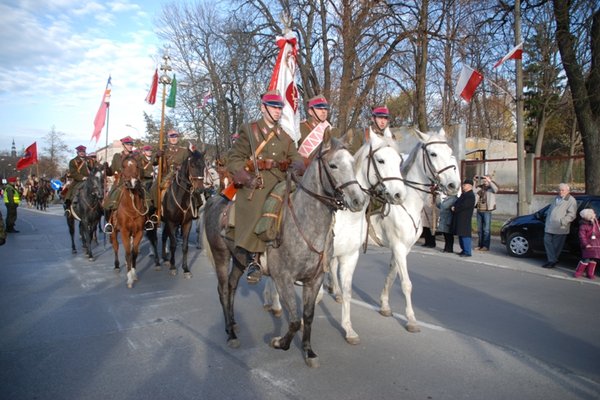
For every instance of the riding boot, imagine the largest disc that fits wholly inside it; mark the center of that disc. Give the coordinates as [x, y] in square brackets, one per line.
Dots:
[591, 270]
[580, 269]
[148, 225]
[153, 216]
[108, 228]
[254, 273]
[67, 207]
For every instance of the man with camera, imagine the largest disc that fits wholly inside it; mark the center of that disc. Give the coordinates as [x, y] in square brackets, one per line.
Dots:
[486, 203]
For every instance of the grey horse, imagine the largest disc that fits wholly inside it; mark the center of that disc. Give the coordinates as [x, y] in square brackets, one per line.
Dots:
[303, 249]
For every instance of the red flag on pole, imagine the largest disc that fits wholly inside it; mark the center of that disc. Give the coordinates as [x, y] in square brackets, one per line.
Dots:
[29, 157]
[151, 97]
[467, 83]
[100, 119]
[516, 53]
[283, 80]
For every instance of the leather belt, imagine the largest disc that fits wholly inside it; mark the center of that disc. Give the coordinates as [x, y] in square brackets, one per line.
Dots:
[266, 164]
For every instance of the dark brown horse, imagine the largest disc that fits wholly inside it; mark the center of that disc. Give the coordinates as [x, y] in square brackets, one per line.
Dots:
[129, 218]
[180, 205]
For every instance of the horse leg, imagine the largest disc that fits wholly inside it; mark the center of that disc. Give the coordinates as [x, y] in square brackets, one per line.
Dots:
[186, 227]
[115, 244]
[271, 301]
[172, 248]
[135, 250]
[334, 288]
[89, 231]
[309, 295]
[71, 225]
[199, 228]
[164, 236]
[347, 267]
[398, 266]
[153, 238]
[285, 287]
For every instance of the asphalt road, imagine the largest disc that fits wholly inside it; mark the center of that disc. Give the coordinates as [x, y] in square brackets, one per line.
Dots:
[492, 327]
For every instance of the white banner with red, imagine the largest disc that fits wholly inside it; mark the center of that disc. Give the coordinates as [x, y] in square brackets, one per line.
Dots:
[313, 140]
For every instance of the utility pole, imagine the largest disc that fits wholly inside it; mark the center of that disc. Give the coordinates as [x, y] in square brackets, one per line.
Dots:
[521, 195]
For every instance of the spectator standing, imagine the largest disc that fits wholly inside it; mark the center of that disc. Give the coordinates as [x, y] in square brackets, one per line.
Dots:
[589, 239]
[12, 198]
[486, 203]
[445, 224]
[561, 213]
[2, 230]
[429, 220]
[463, 214]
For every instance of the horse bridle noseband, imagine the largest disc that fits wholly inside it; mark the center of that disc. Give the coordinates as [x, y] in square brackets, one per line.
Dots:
[335, 200]
[372, 190]
[429, 169]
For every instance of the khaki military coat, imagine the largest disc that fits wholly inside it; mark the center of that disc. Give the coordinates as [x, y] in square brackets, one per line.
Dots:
[249, 202]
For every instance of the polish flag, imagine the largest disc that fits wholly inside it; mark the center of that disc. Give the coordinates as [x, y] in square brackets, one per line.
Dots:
[151, 97]
[515, 54]
[283, 79]
[467, 83]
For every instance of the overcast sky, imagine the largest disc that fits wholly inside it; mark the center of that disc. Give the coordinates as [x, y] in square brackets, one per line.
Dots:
[55, 59]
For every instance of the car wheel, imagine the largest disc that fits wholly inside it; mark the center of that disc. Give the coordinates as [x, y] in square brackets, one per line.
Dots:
[518, 245]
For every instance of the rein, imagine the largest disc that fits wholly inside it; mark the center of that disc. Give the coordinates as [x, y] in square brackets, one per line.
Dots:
[189, 189]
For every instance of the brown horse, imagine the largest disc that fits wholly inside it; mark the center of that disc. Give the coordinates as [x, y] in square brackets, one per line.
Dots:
[129, 218]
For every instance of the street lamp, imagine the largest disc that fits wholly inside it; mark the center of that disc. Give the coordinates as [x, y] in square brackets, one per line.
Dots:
[133, 127]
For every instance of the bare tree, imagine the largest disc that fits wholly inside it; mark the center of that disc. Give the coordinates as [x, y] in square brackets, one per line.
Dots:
[55, 150]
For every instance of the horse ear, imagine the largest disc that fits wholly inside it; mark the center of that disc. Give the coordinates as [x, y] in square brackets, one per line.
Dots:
[348, 138]
[442, 132]
[422, 136]
[202, 148]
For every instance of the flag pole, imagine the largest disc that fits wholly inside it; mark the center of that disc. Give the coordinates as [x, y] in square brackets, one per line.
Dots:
[165, 79]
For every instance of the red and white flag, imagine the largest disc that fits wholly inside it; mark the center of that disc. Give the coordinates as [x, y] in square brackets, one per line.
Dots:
[515, 54]
[29, 157]
[151, 97]
[283, 79]
[467, 82]
[100, 119]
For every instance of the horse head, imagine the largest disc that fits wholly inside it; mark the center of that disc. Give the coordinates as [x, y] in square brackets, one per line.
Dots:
[378, 170]
[439, 162]
[94, 182]
[193, 170]
[130, 172]
[337, 176]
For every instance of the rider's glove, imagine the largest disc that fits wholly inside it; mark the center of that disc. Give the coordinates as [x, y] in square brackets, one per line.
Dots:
[243, 178]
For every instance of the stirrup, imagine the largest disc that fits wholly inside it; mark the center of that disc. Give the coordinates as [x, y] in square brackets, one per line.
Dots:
[148, 225]
[154, 219]
[67, 212]
[108, 228]
[254, 273]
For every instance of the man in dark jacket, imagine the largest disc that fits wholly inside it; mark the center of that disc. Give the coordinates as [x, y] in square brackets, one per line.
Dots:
[463, 213]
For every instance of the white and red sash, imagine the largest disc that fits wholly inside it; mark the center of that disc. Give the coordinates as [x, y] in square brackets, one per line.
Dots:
[313, 140]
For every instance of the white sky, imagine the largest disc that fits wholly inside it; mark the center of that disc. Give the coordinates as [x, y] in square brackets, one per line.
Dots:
[55, 59]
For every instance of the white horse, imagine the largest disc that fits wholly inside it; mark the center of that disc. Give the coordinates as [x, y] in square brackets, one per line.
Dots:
[430, 165]
[377, 169]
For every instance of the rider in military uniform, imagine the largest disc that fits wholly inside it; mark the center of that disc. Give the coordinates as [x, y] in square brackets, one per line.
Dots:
[147, 159]
[112, 200]
[380, 117]
[255, 175]
[318, 111]
[173, 156]
[79, 170]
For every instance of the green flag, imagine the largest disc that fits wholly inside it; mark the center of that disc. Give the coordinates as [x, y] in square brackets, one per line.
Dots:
[172, 93]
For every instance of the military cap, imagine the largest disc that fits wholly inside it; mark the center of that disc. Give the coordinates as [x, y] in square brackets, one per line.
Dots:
[80, 148]
[318, 102]
[272, 99]
[380, 111]
[127, 140]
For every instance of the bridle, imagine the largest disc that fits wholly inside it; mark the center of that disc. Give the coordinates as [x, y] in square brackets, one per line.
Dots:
[188, 185]
[428, 168]
[333, 200]
[378, 190]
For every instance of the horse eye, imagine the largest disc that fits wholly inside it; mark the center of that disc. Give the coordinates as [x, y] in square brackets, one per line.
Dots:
[333, 166]
[433, 154]
[380, 161]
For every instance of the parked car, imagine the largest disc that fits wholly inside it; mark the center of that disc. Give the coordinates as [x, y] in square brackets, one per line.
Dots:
[524, 235]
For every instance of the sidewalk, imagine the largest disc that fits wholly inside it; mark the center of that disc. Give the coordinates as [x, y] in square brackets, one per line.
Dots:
[498, 257]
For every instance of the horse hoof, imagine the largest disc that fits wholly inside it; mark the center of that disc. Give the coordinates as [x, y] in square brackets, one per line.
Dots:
[274, 343]
[353, 340]
[233, 343]
[187, 275]
[74, 251]
[338, 299]
[173, 272]
[117, 270]
[312, 362]
[91, 258]
[412, 327]
[386, 313]
[157, 268]
[130, 286]
[267, 307]
[277, 313]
